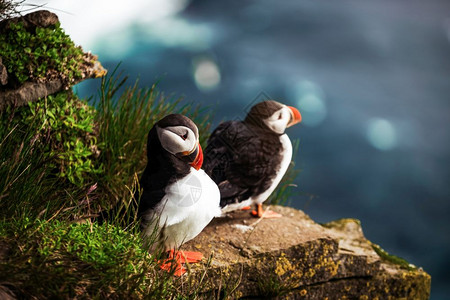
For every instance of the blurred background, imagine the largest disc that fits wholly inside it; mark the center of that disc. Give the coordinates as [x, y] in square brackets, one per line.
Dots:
[371, 78]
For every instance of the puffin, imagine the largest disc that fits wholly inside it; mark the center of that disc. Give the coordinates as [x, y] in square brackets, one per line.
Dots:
[247, 159]
[178, 198]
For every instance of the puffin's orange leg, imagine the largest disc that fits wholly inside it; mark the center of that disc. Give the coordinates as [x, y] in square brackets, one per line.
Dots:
[179, 269]
[246, 208]
[178, 258]
[190, 256]
[268, 214]
[174, 259]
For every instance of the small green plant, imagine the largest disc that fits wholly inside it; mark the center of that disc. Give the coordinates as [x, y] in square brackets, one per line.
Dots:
[41, 53]
[392, 258]
[271, 285]
[69, 124]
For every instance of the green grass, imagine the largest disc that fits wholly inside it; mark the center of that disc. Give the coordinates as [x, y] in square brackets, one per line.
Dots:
[271, 285]
[26, 180]
[123, 122]
[73, 260]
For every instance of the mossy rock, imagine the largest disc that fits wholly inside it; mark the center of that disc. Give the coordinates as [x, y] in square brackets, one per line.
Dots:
[294, 257]
[38, 59]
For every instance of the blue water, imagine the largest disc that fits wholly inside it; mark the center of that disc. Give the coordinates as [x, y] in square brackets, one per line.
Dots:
[372, 79]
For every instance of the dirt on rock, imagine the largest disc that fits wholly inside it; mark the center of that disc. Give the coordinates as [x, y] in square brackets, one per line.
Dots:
[238, 235]
[298, 258]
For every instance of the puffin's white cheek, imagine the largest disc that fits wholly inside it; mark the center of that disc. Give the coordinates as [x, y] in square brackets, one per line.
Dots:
[171, 142]
[190, 143]
[277, 126]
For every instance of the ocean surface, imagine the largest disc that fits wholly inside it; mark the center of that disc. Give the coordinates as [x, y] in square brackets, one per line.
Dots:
[371, 78]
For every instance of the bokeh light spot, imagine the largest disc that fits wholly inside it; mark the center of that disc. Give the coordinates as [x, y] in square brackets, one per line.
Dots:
[206, 74]
[381, 134]
[313, 109]
[310, 102]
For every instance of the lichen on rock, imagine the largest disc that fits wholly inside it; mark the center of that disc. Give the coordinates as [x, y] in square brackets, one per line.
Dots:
[294, 257]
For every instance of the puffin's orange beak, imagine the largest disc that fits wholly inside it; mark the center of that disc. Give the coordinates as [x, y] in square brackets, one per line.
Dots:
[198, 161]
[296, 117]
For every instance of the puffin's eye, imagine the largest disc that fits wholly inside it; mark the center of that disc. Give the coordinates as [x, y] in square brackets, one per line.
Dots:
[280, 116]
[184, 136]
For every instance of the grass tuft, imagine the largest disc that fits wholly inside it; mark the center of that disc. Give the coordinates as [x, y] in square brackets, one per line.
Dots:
[123, 122]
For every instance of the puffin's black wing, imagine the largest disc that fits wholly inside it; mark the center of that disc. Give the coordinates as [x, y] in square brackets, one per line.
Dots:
[162, 169]
[216, 154]
[241, 159]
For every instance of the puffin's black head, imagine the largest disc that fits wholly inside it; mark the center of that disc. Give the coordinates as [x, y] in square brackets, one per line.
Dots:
[273, 115]
[179, 136]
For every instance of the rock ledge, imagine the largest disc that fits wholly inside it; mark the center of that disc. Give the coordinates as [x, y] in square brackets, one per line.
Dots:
[296, 258]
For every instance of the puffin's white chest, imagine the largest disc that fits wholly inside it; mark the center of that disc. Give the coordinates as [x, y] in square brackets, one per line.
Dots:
[188, 206]
[286, 154]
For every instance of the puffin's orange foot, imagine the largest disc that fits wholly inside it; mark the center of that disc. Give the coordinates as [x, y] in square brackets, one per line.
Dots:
[185, 256]
[177, 258]
[268, 214]
[170, 265]
[246, 208]
[179, 270]
[190, 256]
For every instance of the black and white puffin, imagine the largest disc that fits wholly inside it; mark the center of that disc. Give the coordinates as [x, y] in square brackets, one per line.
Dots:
[178, 198]
[247, 159]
